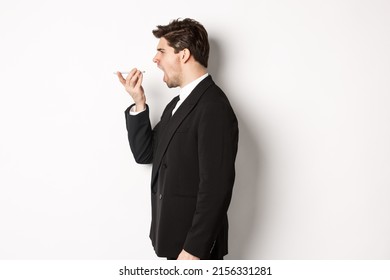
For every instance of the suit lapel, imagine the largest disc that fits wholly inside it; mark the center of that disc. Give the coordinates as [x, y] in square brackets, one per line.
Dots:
[175, 121]
[168, 113]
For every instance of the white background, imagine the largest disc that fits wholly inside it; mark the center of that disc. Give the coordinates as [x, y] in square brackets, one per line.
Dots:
[310, 84]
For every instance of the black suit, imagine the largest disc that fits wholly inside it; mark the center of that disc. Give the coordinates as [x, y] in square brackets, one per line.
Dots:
[193, 154]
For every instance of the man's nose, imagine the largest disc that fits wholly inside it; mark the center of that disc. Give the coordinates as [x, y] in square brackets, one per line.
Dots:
[155, 59]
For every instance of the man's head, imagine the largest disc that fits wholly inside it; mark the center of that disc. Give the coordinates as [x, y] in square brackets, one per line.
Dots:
[183, 48]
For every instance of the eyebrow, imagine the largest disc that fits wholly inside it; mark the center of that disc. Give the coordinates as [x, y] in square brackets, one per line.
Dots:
[161, 49]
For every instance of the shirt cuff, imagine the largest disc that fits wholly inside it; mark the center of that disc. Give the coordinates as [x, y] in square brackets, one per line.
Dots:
[133, 112]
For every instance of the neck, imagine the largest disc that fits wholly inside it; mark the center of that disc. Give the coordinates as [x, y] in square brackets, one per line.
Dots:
[192, 75]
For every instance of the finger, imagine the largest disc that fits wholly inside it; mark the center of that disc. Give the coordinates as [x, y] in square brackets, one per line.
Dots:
[134, 80]
[121, 79]
[140, 79]
[130, 75]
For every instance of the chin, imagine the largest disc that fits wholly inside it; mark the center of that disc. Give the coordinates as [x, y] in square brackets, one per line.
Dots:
[171, 83]
[167, 82]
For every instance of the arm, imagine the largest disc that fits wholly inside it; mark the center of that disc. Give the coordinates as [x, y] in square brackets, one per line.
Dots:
[217, 148]
[140, 135]
[138, 126]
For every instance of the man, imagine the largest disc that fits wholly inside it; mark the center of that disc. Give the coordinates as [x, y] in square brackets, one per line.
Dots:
[193, 147]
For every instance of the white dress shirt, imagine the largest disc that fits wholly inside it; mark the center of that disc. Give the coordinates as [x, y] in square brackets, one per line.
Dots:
[186, 90]
[184, 93]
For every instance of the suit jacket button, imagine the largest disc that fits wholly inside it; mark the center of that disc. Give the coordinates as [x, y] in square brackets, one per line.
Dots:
[165, 165]
[160, 196]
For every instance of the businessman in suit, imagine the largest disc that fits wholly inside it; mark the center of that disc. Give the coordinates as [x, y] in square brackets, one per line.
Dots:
[192, 149]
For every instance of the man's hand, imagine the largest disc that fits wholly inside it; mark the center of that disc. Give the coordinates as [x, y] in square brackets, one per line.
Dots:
[133, 85]
[186, 256]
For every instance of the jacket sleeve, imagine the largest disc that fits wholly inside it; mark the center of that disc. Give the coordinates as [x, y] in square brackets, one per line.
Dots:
[217, 149]
[140, 135]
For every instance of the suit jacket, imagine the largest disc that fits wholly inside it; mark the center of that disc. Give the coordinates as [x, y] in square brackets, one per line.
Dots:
[193, 154]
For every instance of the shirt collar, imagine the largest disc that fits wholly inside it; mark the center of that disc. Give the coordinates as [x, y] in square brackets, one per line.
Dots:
[187, 89]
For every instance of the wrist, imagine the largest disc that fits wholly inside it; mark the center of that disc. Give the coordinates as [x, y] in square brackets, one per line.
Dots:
[139, 107]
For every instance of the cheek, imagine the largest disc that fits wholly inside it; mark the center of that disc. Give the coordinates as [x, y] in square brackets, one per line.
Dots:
[175, 65]
[167, 66]
[170, 64]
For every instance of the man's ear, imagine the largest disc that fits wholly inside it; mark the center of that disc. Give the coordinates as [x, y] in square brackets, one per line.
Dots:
[185, 55]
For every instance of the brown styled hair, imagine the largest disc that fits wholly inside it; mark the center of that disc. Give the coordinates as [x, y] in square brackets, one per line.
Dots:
[186, 34]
